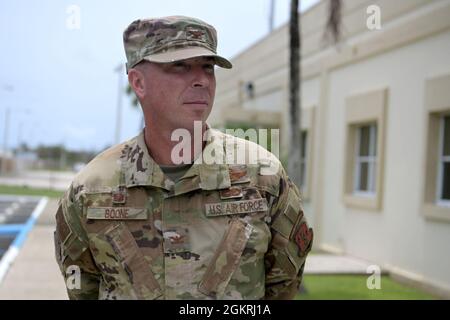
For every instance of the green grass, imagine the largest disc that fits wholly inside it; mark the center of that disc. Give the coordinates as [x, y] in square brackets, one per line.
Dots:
[26, 191]
[351, 287]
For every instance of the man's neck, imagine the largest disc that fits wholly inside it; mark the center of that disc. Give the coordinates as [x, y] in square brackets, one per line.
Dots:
[160, 145]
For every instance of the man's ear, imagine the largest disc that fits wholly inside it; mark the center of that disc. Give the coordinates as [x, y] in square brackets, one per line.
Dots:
[137, 82]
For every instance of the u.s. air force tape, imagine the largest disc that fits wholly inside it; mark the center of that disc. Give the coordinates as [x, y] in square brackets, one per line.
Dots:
[235, 207]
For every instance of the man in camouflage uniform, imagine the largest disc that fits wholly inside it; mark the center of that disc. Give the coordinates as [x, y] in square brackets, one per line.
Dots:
[137, 225]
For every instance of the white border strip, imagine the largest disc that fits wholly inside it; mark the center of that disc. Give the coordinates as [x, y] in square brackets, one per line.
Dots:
[7, 260]
[12, 252]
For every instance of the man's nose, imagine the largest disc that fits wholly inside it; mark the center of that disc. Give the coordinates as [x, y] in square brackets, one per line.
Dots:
[200, 78]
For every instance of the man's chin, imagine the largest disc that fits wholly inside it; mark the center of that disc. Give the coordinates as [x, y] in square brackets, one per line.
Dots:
[193, 118]
[191, 124]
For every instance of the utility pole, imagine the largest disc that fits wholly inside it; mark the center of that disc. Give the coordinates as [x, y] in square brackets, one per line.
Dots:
[5, 135]
[119, 104]
[19, 135]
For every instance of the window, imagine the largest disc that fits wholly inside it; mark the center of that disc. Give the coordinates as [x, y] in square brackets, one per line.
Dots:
[436, 198]
[366, 160]
[246, 90]
[443, 187]
[366, 115]
[303, 158]
[250, 90]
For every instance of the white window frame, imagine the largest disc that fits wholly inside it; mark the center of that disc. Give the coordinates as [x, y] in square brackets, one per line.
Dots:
[371, 161]
[441, 159]
[304, 159]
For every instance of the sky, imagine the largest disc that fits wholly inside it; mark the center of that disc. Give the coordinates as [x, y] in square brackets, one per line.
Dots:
[58, 77]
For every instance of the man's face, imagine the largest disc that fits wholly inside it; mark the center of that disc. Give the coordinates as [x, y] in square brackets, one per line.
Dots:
[176, 94]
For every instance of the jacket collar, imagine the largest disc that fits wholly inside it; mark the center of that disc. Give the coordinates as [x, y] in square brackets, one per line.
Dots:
[209, 171]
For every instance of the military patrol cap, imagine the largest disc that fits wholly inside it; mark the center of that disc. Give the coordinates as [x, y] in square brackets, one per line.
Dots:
[170, 39]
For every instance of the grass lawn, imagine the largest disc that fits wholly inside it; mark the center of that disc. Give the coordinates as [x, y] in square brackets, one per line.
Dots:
[26, 191]
[348, 287]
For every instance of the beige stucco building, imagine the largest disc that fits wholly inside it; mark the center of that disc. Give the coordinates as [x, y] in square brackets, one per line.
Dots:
[375, 110]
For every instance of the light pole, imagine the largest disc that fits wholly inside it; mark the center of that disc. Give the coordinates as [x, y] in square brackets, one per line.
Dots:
[8, 88]
[119, 104]
[271, 15]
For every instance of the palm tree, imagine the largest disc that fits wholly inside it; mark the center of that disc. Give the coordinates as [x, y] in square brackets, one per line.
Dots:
[333, 27]
[294, 93]
[334, 20]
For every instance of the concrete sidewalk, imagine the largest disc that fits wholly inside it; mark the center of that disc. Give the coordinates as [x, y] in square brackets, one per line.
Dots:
[336, 264]
[34, 274]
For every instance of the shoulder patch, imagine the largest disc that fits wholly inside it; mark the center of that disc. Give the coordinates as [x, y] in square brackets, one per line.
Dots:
[303, 238]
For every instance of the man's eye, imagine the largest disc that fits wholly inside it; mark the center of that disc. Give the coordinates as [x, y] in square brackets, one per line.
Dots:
[209, 67]
[179, 66]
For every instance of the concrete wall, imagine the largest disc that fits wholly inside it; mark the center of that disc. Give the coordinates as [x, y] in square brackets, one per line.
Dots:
[399, 235]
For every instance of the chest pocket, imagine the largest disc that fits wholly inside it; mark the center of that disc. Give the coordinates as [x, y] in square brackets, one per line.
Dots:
[236, 269]
[124, 244]
[226, 259]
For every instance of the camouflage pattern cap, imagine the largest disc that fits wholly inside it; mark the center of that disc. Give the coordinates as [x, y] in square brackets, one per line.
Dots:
[169, 39]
